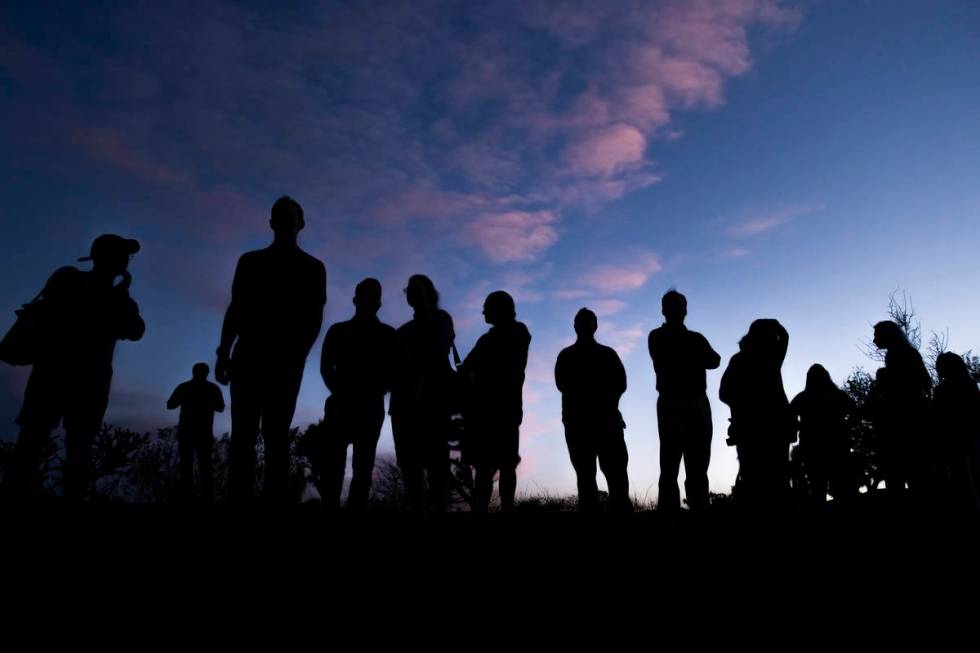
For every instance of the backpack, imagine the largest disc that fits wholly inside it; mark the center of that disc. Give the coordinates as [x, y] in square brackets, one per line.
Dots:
[23, 341]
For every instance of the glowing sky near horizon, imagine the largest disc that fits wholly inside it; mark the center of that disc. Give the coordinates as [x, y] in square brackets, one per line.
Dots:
[797, 160]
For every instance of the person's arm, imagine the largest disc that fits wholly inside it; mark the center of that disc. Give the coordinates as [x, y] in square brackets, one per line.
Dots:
[314, 318]
[472, 362]
[651, 346]
[231, 327]
[131, 325]
[729, 382]
[175, 399]
[521, 361]
[219, 399]
[619, 373]
[450, 331]
[560, 373]
[710, 357]
[328, 360]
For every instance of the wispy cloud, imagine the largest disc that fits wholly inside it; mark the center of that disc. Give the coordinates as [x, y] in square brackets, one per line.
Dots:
[516, 236]
[611, 278]
[623, 338]
[603, 307]
[764, 222]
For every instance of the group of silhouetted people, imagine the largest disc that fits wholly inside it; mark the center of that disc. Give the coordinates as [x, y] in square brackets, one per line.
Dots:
[929, 443]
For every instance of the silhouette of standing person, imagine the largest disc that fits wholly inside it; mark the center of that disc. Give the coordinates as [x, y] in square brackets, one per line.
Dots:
[591, 379]
[356, 365]
[903, 386]
[956, 406]
[198, 400]
[84, 314]
[495, 371]
[823, 411]
[274, 318]
[680, 359]
[420, 404]
[762, 425]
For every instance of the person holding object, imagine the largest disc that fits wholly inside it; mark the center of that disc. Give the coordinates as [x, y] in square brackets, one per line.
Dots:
[81, 316]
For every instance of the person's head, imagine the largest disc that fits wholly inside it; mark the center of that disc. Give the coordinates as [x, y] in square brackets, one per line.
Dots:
[367, 297]
[818, 379]
[888, 334]
[499, 308]
[287, 218]
[586, 324]
[674, 307]
[111, 253]
[200, 371]
[950, 367]
[421, 293]
[763, 337]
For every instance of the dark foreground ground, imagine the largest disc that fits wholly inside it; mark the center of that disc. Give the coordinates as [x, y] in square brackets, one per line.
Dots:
[537, 569]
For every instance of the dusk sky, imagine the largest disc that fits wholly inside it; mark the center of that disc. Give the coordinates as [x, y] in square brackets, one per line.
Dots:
[795, 160]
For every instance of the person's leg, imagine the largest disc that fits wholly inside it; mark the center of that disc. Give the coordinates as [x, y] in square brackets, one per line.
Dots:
[277, 419]
[246, 413]
[776, 474]
[479, 452]
[746, 493]
[483, 488]
[22, 476]
[40, 414]
[87, 403]
[819, 484]
[891, 467]
[613, 461]
[205, 447]
[697, 453]
[405, 431]
[365, 450]
[510, 459]
[437, 462]
[331, 461]
[670, 427]
[333, 467]
[78, 463]
[507, 487]
[185, 465]
[583, 457]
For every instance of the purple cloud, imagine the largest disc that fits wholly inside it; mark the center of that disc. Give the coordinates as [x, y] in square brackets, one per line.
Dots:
[202, 114]
[516, 236]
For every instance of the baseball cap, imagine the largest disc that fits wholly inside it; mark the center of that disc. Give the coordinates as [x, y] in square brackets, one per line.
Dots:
[111, 244]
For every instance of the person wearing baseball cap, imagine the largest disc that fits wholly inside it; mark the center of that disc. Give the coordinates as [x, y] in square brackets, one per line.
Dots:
[82, 315]
[111, 246]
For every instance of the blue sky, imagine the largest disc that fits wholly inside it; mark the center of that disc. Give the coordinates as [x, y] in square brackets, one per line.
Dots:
[769, 159]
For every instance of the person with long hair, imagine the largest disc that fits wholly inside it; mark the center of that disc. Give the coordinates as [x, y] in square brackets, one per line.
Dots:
[903, 387]
[956, 406]
[823, 411]
[495, 372]
[421, 406]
